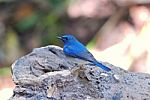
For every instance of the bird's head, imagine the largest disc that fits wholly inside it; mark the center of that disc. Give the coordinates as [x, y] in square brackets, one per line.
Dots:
[67, 38]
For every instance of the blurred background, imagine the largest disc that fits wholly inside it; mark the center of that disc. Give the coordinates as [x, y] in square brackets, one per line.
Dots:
[115, 31]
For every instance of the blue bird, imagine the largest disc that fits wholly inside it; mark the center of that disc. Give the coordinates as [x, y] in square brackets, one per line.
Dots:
[72, 47]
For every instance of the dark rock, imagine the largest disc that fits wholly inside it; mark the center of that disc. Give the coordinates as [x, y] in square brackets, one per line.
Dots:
[47, 74]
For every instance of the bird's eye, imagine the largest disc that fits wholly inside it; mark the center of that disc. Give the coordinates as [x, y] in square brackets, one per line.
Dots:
[66, 38]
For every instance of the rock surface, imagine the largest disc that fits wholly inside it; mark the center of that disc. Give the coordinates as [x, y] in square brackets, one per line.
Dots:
[47, 74]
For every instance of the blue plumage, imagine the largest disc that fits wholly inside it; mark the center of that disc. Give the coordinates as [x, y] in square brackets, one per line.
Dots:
[72, 47]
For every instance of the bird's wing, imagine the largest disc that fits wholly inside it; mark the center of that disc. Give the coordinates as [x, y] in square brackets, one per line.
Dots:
[79, 52]
[86, 55]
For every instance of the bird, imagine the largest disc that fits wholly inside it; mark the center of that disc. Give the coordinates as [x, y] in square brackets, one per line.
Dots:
[73, 48]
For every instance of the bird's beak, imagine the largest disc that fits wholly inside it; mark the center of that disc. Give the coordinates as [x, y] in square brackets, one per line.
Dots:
[59, 38]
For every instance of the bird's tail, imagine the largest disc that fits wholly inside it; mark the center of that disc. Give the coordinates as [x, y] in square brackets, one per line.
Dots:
[101, 66]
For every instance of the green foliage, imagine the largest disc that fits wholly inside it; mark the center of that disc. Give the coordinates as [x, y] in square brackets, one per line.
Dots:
[31, 24]
[11, 45]
[91, 44]
[5, 71]
[28, 22]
